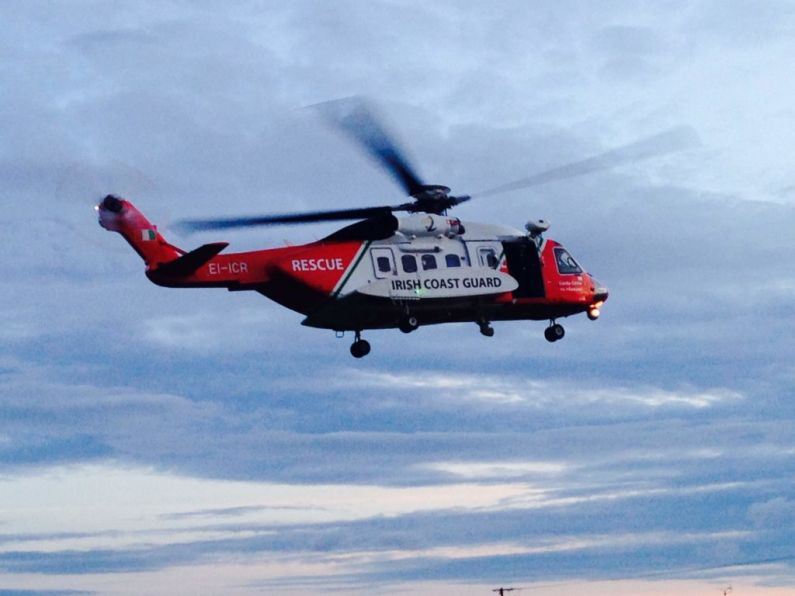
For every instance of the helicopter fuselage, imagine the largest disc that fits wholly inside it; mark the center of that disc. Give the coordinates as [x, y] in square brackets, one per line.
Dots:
[383, 273]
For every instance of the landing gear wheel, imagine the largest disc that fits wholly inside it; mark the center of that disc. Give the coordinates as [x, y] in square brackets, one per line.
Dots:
[408, 324]
[485, 328]
[554, 332]
[360, 348]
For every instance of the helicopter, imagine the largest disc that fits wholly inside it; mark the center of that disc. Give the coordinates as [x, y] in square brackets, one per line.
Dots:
[384, 271]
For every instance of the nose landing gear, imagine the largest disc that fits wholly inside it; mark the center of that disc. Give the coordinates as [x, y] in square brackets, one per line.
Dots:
[360, 347]
[554, 332]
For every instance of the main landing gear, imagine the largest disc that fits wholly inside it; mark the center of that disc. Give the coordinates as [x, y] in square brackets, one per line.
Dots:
[485, 328]
[408, 323]
[360, 347]
[554, 332]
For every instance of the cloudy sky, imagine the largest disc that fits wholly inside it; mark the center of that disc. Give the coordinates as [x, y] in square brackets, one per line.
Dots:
[164, 441]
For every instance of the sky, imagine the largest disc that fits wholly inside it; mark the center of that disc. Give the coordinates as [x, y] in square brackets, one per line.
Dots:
[197, 441]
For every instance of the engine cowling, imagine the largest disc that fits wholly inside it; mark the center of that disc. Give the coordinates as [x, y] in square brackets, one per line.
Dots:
[430, 225]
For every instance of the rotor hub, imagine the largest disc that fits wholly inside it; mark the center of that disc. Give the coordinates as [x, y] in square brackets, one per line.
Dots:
[432, 198]
[432, 191]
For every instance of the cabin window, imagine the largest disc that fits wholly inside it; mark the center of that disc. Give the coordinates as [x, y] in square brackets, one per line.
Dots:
[428, 262]
[384, 266]
[409, 263]
[453, 260]
[566, 263]
[383, 261]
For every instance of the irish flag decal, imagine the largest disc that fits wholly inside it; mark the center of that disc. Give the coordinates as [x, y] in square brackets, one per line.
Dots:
[148, 235]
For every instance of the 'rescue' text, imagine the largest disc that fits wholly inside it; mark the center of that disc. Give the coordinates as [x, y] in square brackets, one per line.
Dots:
[317, 264]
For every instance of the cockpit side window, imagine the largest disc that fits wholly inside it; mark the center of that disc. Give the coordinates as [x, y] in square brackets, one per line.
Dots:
[565, 262]
[488, 258]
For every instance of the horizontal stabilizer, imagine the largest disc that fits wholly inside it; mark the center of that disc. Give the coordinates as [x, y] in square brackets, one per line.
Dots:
[188, 263]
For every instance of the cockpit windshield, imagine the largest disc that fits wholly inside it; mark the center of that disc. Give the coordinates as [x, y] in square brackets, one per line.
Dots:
[565, 262]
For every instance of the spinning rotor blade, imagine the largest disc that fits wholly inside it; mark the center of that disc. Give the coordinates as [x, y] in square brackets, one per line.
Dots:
[674, 139]
[353, 116]
[197, 225]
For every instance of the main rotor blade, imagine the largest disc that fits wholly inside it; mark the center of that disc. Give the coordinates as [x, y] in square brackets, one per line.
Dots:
[674, 139]
[198, 225]
[353, 116]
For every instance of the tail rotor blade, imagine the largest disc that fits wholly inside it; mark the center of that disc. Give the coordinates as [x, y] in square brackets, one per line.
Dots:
[81, 185]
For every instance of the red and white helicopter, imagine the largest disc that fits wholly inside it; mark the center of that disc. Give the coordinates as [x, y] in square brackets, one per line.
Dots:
[384, 272]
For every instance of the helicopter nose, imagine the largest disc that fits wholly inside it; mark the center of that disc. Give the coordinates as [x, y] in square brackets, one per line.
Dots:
[600, 292]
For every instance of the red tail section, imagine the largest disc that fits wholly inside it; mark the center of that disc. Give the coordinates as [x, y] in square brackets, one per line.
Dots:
[170, 266]
[118, 215]
[299, 277]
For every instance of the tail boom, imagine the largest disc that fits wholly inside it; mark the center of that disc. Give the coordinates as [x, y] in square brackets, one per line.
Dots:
[170, 266]
[285, 275]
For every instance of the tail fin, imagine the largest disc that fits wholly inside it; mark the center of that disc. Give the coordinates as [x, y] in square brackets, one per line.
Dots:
[118, 215]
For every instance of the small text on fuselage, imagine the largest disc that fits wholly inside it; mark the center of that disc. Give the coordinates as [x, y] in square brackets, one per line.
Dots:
[225, 268]
[449, 283]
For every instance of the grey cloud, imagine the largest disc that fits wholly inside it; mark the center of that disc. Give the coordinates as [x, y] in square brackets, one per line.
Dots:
[371, 436]
[369, 544]
[630, 52]
[736, 24]
[776, 513]
[43, 592]
[226, 512]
